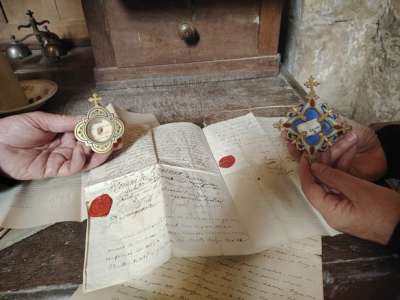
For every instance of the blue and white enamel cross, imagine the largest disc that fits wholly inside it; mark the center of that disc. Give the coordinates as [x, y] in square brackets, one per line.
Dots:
[312, 126]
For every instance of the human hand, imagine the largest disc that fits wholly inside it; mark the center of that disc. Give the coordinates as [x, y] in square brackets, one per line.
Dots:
[359, 153]
[38, 145]
[360, 208]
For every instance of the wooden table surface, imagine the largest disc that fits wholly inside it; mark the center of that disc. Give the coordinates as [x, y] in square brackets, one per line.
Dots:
[48, 265]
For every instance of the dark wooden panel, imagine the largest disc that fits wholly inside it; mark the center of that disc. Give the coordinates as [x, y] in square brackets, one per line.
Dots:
[228, 29]
[99, 33]
[270, 23]
[146, 33]
[50, 257]
[358, 269]
[267, 65]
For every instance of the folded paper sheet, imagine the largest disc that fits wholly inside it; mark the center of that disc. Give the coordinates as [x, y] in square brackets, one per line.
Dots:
[293, 271]
[43, 202]
[229, 189]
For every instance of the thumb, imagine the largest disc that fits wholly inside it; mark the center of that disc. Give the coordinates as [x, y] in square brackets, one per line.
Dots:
[345, 183]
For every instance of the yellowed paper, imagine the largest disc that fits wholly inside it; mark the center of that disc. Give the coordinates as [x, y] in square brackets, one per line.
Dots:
[252, 205]
[268, 200]
[133, 239]
[184, 145]
[156, 213]
[41, 202]
[138, 148]
[201, 217]
[293, 271]
[38, 203]
[281, 162]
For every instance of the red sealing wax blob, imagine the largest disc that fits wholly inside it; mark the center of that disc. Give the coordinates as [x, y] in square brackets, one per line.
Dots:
[101, 206]
[227, 161]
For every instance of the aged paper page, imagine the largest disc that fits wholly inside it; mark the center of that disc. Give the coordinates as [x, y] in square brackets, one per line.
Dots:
[269, 203]
[157, 213]
[201, 217]
[137, 153]
[184, 145]
[41, 202]
[292, 271]
[138, 150]
[133, 238]
[283, 161]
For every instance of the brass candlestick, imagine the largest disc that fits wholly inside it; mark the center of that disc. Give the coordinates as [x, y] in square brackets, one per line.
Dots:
[51, 45]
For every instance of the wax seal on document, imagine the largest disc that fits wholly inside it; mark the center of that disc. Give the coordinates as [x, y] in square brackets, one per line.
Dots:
[226, 161]
[312, 126]
[100, 129]
[100, 206]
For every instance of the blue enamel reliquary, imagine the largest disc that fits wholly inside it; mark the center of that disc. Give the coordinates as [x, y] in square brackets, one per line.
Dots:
[312, 126]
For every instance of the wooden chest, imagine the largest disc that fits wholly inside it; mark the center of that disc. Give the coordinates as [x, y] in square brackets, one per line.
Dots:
[135, 39]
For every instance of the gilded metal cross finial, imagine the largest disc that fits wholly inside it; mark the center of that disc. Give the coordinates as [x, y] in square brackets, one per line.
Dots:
[311, 83]
[95, 99]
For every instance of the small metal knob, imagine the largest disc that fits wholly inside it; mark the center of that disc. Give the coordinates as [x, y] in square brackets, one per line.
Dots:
[189, 34]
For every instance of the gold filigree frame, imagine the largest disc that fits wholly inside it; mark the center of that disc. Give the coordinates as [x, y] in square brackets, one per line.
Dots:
[82, 132]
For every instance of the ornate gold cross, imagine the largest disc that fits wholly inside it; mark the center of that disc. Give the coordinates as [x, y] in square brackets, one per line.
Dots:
[311, 83]
[95, 99]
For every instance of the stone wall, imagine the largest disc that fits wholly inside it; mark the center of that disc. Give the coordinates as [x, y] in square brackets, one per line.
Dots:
[353, 49]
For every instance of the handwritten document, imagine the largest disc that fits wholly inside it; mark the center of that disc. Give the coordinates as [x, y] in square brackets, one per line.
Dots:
[41, 202]
[227, 190]
[133, 239]
[176, 191]
[262, 184]
[37, 203]
[201, 216]
[184, 145]
[292, 271]
[156, 212]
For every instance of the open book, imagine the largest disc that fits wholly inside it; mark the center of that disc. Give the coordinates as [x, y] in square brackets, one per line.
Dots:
[179, 190]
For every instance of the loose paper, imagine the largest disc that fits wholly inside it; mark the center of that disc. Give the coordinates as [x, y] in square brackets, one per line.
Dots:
[227, 191]
[292, 271]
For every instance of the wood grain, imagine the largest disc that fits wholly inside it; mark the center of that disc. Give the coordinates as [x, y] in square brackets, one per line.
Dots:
[268, 65]
[146, 33]
[228, 29]
[3, 17]
[50, 257]
[358, 269]
[70, 10]
[270, 23]
[99, 33]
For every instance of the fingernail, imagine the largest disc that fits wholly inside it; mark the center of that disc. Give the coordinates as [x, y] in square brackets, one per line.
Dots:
[351, 137]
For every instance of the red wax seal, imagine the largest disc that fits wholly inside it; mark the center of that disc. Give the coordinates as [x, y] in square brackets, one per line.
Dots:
[101, 206]
[227, 161]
